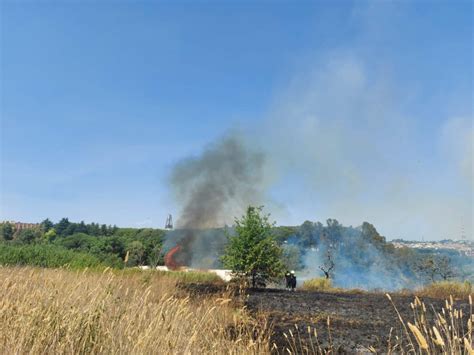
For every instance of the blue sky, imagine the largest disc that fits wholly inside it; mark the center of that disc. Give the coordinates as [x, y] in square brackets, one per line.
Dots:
[99, 99]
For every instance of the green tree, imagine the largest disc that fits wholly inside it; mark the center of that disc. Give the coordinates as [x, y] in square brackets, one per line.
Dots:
[7, 231]
[50, 235]
[28, 236]
[434, 268]
[252, 252]
[94, 229]
[62, 226]
[445, 269]
[137, 252]
[155, 256]
[81, 228]
[46, 225]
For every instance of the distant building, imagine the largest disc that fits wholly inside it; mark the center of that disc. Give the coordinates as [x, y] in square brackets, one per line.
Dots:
[18, 226]
[462, 246]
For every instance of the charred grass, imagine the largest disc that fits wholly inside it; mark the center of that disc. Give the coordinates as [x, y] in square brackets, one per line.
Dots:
[348, 322]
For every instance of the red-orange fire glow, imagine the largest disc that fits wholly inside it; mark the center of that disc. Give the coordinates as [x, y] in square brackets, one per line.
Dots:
[170, 262]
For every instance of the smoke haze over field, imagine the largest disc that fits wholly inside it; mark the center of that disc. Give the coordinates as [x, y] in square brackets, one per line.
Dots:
[352, 134]
[345, 146]
[337, 145]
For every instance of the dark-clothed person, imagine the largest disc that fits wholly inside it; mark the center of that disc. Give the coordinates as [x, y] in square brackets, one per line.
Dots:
[292, 281]
[288, 280]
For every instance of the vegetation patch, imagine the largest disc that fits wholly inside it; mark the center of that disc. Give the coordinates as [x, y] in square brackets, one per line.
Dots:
[317, 284]
[46, 256]
[445, 289]
[65, 311]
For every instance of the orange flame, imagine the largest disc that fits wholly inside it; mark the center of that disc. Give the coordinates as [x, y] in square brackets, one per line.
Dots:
[170, 262]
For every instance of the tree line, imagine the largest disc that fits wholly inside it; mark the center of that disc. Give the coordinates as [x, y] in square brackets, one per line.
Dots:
[256, 249]
[107, 245]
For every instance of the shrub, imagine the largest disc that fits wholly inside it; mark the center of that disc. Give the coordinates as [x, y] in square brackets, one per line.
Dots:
[317, 284]
[45, 256]
[444, 289]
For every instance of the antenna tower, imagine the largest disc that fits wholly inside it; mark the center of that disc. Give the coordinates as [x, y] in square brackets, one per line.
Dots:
[169, 222]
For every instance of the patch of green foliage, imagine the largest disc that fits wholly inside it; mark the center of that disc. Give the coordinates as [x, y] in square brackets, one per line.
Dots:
[253, 252]
[44, 255]
[106, 245]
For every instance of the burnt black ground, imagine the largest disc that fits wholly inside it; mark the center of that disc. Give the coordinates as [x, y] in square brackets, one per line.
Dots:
[357, 320]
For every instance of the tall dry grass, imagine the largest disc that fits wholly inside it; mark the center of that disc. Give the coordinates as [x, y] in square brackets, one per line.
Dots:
[318, 284]
[446, 289]
[449, 331]
[51, 311]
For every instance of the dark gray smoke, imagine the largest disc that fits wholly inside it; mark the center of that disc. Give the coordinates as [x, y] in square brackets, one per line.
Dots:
[215, 186]
[212, 189]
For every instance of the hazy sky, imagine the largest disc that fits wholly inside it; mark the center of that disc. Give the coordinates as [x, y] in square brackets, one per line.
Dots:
[365, 110]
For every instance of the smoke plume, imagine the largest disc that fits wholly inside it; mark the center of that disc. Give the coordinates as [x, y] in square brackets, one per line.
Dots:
[211, 189]
[221, 182]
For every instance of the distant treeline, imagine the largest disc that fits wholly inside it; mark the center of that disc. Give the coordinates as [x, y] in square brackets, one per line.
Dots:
[361, 257]
[80, 244]
[351, 256]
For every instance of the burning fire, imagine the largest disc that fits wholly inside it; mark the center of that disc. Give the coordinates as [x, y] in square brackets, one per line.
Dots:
[170, 262]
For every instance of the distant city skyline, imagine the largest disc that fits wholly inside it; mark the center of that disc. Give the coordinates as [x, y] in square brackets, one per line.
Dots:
[363, 110]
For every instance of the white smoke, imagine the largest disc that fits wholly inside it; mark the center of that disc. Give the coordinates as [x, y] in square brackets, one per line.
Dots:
[340, 142]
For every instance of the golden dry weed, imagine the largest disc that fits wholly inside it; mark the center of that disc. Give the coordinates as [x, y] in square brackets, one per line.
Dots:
[51, 311]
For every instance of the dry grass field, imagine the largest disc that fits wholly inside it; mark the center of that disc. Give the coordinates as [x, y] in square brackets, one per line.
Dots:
[51, 311]
[60, 311]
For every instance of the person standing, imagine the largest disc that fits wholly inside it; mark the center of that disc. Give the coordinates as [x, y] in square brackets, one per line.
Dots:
[288, 280]
[292, 280]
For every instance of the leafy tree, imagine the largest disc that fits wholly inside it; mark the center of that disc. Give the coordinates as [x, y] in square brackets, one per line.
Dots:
[6, 231]
[136, 252]
[253, 253]
[28, 236]
[445, 269]
[62, 226]
[78, 241]
[155, 256]
[81, 228]
[94, 229]
[370, 234]
[50, 235]
[71, 229]
[433, 268]
[46, 225]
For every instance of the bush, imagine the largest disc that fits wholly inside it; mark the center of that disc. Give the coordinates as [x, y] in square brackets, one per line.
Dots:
[444, 289]
[318, 284]
[45, 256]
